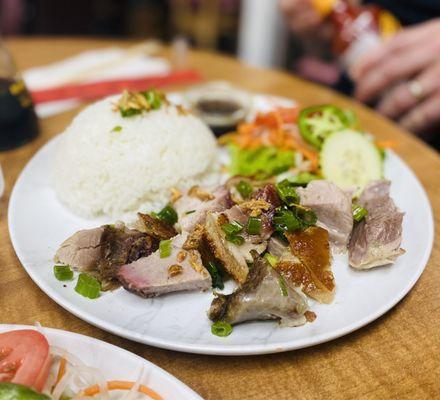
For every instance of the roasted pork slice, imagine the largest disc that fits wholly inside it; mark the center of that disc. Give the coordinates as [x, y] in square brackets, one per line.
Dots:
[155, 227]
[101, 251]
[332, 206]
[310, 269]
[154, 276]
[193, 206]
[269, 194]
[263, 296]
[234, 257]
[376, 239]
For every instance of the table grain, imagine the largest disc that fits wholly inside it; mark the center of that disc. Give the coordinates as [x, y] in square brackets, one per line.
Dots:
[395, 357]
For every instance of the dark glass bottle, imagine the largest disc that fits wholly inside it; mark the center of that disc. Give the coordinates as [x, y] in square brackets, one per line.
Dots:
[18, 121]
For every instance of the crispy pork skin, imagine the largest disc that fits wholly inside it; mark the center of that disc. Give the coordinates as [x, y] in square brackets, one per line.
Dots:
[154, 276]
[193, 206]
[310, 268]
[233, 257]
[154, 227]
[263, 296]
[332, 206]
[376, 239]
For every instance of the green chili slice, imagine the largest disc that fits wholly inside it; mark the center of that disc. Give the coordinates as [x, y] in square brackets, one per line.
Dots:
[318, 122]
[165, 248]
[88, 286]
[221, 329]
[63, 272]
[359, 212]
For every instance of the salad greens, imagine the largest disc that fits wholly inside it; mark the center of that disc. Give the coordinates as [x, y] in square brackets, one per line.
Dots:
[261, 162]
[13, 391]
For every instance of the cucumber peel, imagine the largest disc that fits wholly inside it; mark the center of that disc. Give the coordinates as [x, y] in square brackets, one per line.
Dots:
[350, 159]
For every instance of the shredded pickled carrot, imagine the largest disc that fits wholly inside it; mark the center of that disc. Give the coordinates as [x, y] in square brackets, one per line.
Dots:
[61, 370]
[121, 385]
[387, 144]
[268, 129]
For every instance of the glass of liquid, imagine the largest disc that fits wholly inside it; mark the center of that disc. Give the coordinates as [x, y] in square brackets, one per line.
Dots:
[18, 121]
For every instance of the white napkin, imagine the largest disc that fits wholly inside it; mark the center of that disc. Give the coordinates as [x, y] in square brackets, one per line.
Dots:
[119, 65]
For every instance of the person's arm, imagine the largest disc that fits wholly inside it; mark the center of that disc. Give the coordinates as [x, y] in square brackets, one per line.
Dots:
[404, 74]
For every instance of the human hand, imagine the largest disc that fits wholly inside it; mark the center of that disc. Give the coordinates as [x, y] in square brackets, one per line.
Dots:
[405, 74]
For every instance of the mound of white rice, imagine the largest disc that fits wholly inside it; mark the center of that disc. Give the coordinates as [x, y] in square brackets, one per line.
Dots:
[103, 170]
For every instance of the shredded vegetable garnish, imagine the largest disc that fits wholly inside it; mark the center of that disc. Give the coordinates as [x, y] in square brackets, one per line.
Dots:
[274, 132]
[134, 103]
[221, 329]
[121, 385]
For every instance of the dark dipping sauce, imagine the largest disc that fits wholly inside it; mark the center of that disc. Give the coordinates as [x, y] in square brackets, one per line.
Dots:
[18, 121]
[222, 111]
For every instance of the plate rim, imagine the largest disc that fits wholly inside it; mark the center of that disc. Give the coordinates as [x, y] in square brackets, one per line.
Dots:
[211, 349]
[189, 391]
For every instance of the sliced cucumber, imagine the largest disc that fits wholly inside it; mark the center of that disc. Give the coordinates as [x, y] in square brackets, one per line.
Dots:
[349, 159]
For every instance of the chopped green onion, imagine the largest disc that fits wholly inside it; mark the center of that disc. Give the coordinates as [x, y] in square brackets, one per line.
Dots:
[221, 328]
[254, 226]
[283, 286]
[128, 112]
[117, 128]
[153, 98]
[88, 286]
[307, 217]
[271, 259]
[232, 228]
[63, 272]
[359, 212]
[302, 179]
[236, 239]
[286, 191]
[286, 221]
[244, 188]
[190, 212]
[165, 248]
[168, 215]
[214, 271]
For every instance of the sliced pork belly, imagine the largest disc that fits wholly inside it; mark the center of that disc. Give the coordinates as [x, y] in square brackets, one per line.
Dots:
[376, 239]
[193, 206]
[264, 295]
[234, 257]
[153, 276]
[332, 206]
[101, 251]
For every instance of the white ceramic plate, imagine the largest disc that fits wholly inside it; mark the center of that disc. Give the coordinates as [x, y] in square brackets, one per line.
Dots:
[38, 223]
[115, 363]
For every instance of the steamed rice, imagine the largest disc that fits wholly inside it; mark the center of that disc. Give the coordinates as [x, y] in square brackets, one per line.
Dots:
[103, 170]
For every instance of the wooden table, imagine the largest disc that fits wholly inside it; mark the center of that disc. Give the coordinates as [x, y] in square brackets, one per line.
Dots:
[397, 356]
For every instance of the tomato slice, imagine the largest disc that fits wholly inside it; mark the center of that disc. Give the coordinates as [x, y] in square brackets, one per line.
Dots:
[24, 358]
